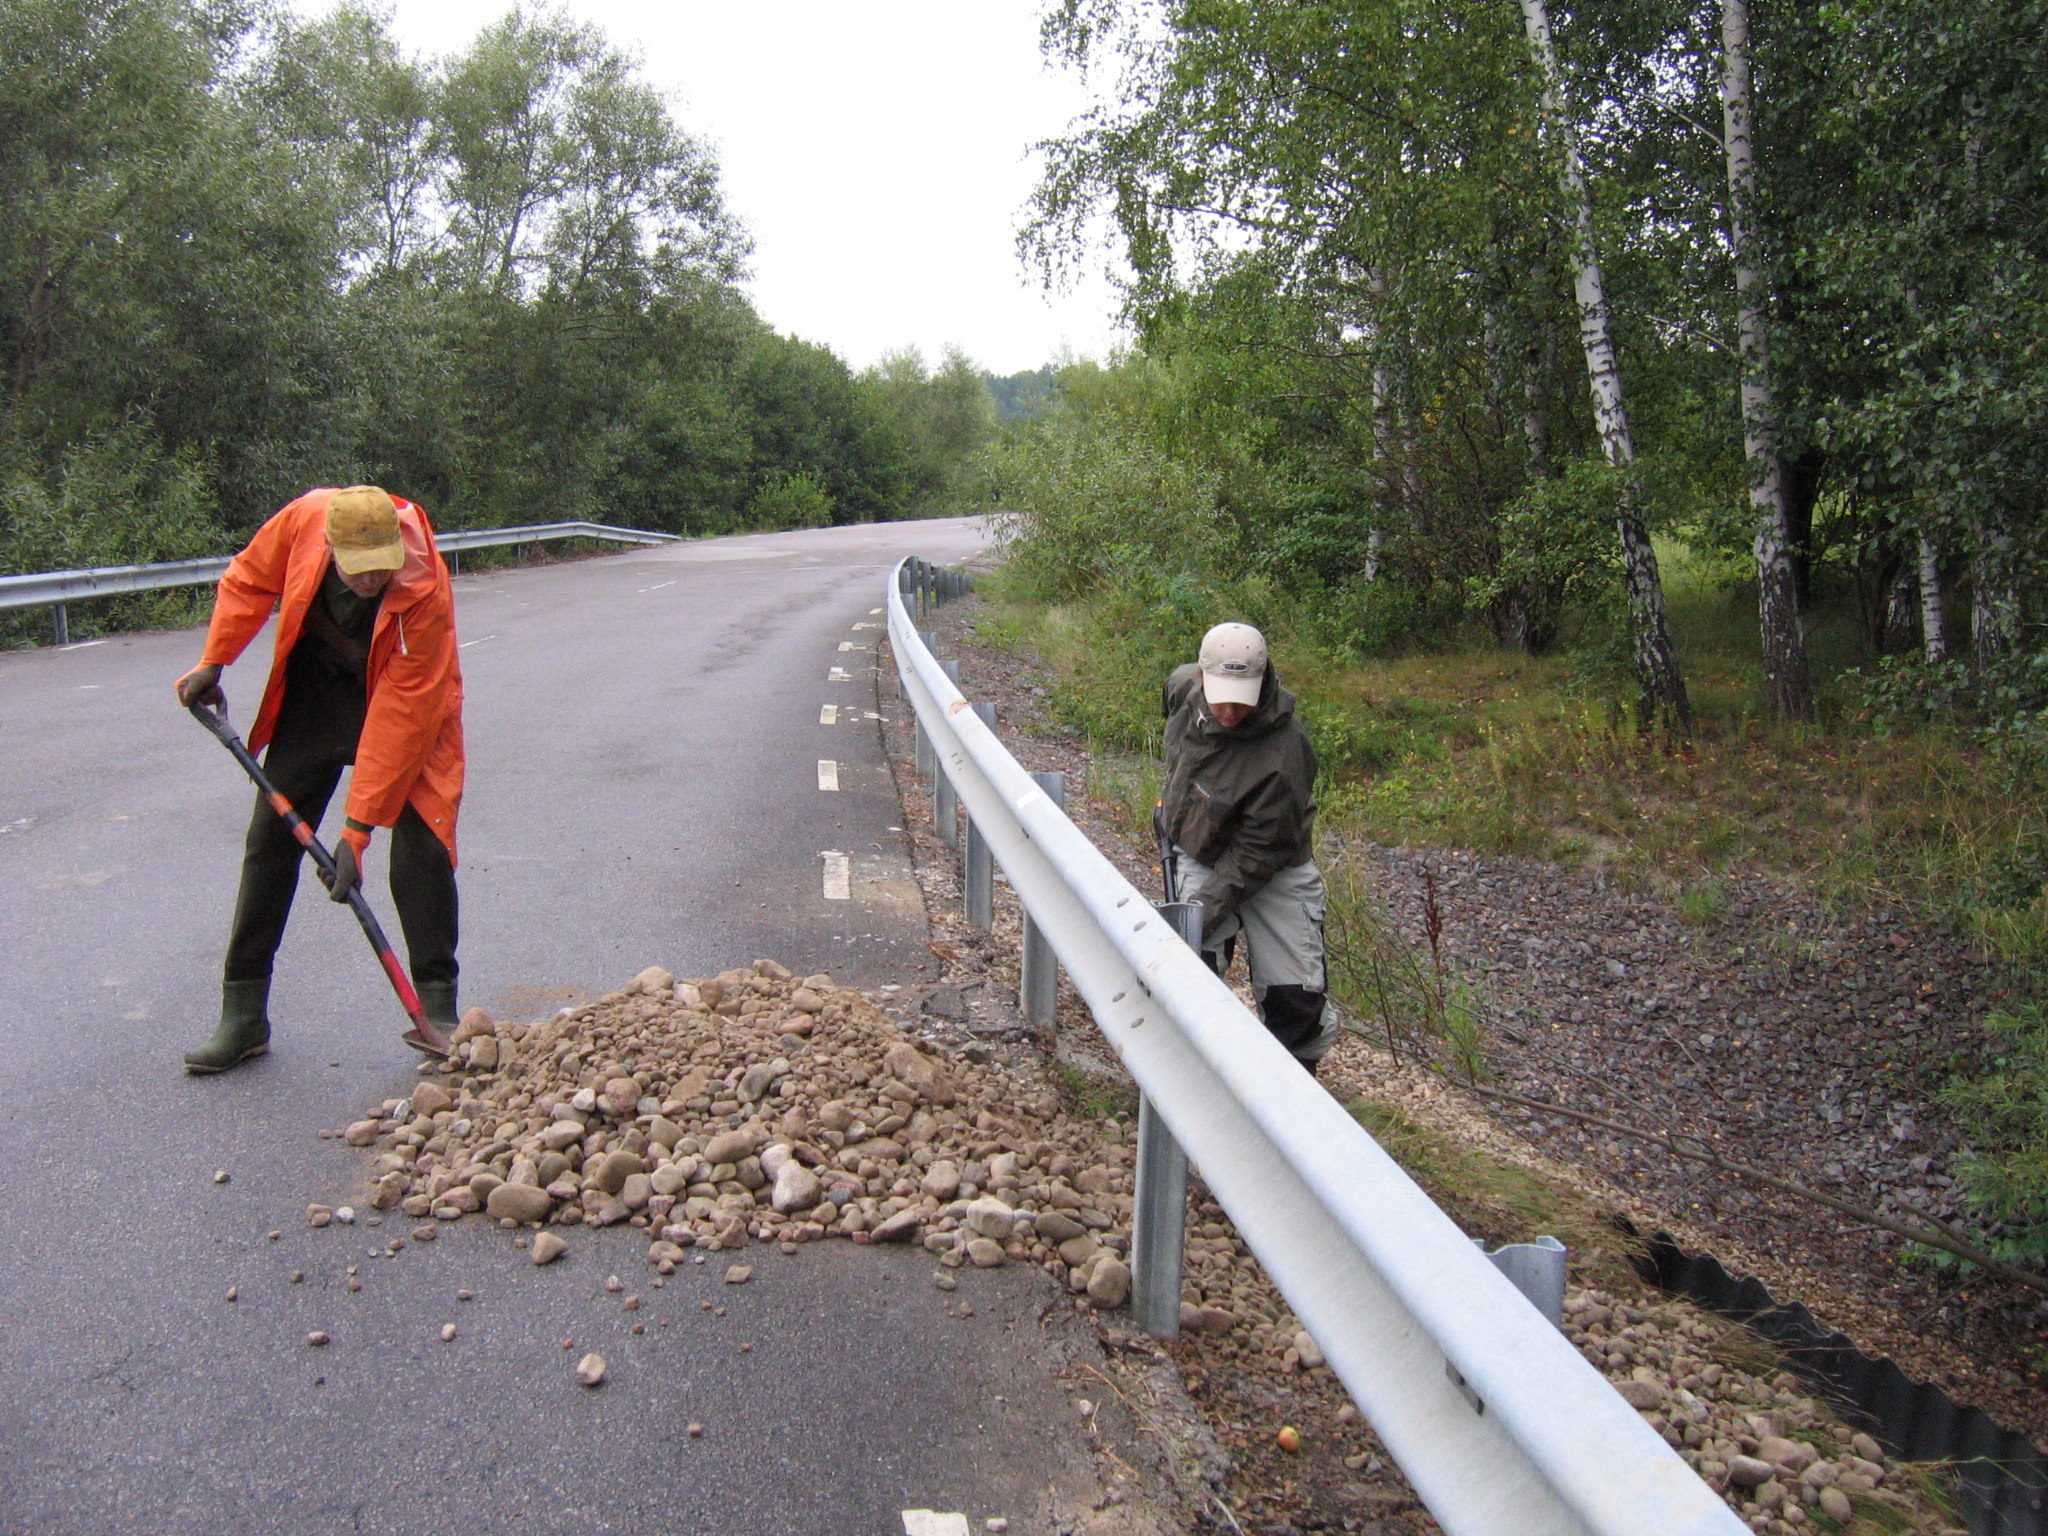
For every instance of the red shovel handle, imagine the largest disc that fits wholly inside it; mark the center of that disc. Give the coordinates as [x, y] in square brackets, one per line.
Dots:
[216, 721]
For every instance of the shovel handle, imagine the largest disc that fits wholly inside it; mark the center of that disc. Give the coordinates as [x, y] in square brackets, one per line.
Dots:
[216, 721]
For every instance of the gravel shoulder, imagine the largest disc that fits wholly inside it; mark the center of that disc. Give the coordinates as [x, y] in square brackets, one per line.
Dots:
[1825, 1035]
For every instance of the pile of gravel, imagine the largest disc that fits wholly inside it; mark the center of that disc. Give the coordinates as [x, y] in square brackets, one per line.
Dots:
[1776, 1454]
[754, 1107]
[759, 1107]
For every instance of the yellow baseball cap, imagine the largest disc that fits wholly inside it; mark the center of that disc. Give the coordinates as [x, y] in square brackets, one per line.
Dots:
[362, 530]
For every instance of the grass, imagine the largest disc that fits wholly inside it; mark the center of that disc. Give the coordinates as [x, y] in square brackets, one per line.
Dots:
[1475, 748]
[1502, 1202]
[1093, 1097]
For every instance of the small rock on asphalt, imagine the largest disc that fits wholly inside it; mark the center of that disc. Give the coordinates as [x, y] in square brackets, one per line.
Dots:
[590, 1370]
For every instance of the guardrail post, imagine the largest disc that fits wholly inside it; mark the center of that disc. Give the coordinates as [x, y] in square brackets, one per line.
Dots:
[1159, 1214]
[945, 802]
[1038, 979]
[980, 884]
[1537, 1270]
[60, 623]
[454, 559]
[927, 764]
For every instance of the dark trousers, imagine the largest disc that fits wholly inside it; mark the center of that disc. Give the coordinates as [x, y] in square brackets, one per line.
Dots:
[315, 740]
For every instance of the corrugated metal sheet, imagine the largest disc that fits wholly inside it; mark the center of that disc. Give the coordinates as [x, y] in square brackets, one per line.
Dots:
[2002, 1476]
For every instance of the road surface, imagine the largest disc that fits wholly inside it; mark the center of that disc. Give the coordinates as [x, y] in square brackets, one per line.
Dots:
[644, 742]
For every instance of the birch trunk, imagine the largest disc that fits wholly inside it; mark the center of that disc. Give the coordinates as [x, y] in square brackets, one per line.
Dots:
[1933, 628]
[1382, 431]
[1656, 660]
[1786, 683]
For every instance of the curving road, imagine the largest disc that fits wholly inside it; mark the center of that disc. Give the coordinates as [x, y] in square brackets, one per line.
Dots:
[645, 733]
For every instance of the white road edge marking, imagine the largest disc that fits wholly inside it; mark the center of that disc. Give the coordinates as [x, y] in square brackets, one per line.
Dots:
[655, 588]
[828, 714]
[479, 640]
[838, 875]
[930, 1522]
[828, 775]
[873, 611]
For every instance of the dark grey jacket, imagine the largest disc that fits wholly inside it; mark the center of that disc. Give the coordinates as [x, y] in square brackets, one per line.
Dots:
[1240, 801]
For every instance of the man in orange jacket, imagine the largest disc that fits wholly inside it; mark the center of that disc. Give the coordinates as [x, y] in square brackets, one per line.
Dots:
[365, 673]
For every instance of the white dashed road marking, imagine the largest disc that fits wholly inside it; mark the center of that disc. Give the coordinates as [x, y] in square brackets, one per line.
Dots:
[838, 875]
[838, 675]
[828, 774]
[828, 714]
[479, 640]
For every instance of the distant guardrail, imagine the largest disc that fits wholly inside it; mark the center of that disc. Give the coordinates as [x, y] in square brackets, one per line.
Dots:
[56, 590]
[1500, 1425]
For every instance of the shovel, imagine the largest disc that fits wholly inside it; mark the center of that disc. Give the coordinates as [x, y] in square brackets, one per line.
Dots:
[422, 1036]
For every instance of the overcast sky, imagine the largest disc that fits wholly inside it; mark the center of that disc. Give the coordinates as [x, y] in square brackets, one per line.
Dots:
[878, 151]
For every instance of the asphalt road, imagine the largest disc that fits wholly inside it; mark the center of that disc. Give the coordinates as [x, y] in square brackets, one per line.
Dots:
[644, 736]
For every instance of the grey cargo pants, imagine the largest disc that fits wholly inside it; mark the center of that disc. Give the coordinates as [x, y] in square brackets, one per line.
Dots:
[1282, 927]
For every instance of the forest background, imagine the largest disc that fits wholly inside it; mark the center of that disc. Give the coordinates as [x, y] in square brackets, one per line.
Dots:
[242, 254]
[1627, 421]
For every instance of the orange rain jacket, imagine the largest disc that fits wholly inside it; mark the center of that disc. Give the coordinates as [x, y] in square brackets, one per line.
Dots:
[411, 746]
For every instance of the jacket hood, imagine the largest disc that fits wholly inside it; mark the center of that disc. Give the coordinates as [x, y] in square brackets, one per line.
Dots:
[415, 579]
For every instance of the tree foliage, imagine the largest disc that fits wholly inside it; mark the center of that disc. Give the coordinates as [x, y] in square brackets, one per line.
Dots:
[1345, 252]
[242, 253]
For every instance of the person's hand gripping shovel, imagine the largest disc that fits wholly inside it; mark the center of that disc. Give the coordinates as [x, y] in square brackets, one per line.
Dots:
[209, 707]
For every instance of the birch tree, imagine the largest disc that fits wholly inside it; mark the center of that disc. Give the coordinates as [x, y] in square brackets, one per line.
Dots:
[1656, 659]
[1786, 686]
[1933, 628]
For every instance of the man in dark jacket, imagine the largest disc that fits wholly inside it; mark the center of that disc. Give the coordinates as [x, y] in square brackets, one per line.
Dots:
[1238, 806]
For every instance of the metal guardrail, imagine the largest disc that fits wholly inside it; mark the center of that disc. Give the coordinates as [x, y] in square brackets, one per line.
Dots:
[1495, 1418]
[57, 589]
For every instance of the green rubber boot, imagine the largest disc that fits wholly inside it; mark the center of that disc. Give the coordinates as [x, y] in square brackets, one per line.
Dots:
[244, 1028]
[437, 1002]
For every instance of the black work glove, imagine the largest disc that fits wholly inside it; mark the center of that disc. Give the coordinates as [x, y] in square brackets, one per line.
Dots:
[201, 686]
[347, 873]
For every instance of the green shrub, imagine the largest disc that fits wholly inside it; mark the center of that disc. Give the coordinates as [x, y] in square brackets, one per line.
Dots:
[2004, 1113]
[116, 498]
[790, 501]
[1094, 505]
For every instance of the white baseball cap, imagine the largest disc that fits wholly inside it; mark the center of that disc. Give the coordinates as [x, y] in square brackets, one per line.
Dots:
[1233, 664]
